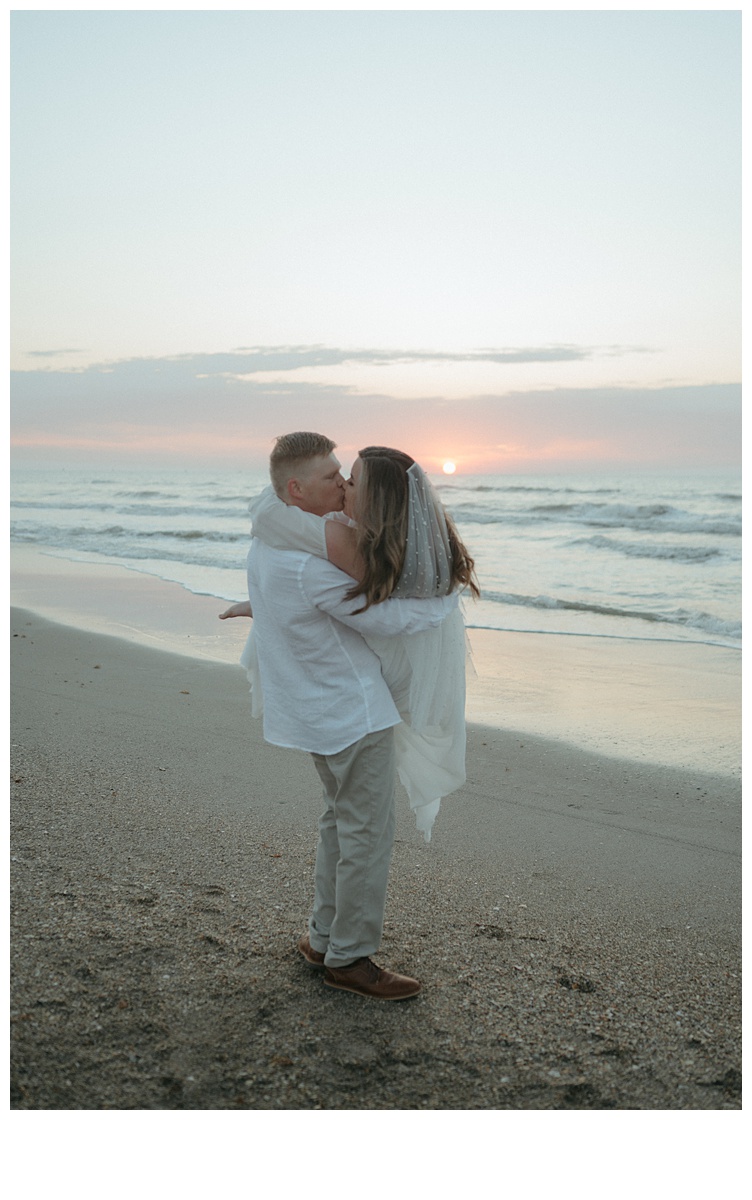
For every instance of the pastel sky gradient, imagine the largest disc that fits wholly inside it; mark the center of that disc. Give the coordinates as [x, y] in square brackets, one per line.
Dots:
[510, 238]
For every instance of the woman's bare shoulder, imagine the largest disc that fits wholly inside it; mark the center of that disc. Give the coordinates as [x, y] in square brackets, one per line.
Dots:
[341, 548]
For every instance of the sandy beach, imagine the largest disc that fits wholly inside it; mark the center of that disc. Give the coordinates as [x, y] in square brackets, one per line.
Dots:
[575, 920]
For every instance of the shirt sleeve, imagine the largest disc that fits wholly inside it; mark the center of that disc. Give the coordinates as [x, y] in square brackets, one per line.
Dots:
[327, 588]
[286, 527]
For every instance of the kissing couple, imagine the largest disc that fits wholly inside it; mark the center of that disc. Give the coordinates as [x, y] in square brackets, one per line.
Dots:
[357, 655]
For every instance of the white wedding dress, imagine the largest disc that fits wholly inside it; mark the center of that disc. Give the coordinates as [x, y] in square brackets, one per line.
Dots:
[425, 673]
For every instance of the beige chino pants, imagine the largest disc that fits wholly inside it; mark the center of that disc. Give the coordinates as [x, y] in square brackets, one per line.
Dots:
[356, 836]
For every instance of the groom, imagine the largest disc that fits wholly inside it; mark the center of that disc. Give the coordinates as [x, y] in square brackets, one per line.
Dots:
[323, 692]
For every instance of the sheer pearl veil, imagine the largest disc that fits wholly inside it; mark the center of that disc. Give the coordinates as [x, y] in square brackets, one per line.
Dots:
[427, 570]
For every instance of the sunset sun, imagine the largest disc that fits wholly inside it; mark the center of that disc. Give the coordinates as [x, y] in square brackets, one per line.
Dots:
[449, 467]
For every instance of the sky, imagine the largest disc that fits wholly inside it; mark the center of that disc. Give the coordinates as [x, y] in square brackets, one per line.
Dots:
[509, 238]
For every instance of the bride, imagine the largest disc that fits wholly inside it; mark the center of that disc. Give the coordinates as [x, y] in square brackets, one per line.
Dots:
[393, 539]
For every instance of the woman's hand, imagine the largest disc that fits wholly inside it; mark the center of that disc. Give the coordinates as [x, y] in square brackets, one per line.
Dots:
[241, 609]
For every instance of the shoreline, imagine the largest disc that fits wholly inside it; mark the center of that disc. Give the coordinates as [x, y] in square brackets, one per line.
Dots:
[575, 919]
[666, 703]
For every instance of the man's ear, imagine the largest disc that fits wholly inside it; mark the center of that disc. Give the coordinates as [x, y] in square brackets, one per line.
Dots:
[294, 489]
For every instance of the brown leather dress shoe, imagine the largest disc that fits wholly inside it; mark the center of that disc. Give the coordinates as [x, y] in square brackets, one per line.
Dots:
[366, 979]
[314, 957]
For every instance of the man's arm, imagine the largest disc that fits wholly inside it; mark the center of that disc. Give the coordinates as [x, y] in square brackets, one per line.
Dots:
[326, 588]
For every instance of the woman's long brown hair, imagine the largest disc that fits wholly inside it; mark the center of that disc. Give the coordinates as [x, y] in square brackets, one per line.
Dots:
[382, 528]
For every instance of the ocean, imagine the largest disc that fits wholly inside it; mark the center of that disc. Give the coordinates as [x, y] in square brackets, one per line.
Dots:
[642, 556]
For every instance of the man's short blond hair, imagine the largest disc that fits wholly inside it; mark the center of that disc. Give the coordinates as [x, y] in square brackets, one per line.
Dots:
[291, 453]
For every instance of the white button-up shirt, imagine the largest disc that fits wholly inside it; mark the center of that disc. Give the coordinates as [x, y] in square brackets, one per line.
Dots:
[322, 685]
